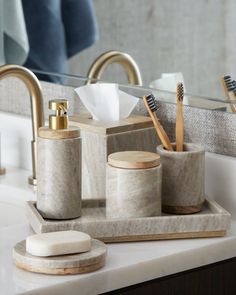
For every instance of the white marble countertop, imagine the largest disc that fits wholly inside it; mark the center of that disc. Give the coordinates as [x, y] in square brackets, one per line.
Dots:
[127, 263]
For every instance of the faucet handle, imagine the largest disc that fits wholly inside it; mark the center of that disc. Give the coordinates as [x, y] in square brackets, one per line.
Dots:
[59, 120]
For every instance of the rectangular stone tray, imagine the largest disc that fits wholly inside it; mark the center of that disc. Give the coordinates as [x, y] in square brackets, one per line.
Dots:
[213, 221]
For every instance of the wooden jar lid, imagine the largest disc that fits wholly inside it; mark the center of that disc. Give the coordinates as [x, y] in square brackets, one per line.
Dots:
[134, 160]
[71, 132]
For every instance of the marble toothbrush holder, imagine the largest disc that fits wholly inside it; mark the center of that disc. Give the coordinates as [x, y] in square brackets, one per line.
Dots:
[183, 186]
[133, 185]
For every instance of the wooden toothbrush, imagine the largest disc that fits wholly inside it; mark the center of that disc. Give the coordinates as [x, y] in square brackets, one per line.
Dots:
[228, 87]
[179, 126]
[151, 106]
[234, 88]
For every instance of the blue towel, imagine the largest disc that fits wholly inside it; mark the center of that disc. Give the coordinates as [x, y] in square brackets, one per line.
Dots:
[14, 45]
[57, 30]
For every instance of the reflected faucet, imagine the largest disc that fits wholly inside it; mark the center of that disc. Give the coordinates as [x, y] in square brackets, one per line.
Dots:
[37, 113]
[100, 64]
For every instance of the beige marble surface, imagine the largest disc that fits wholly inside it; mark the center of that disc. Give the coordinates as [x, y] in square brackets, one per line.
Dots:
[183, 176]
[132, 193]
[93, 221]
[59, 178]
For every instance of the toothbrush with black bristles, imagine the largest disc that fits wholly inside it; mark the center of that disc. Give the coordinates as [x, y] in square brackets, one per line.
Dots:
[234, 92]
[179, 126]
[234, 88]
[151, 105]
[228, 87]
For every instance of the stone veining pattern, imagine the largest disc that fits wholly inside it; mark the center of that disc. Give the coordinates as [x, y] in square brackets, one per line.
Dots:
[94, 222]
[133, 192]
[59, 178]
[183, 176]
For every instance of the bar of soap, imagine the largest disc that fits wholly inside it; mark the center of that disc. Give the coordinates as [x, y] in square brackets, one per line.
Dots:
[58, 243]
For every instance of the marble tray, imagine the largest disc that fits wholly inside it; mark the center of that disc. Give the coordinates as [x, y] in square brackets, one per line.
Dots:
[212, 221]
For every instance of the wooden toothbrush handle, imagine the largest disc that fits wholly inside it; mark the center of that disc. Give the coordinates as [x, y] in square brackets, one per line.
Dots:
[232, 97]
[179, 127]
[161, 132]
[227, 94]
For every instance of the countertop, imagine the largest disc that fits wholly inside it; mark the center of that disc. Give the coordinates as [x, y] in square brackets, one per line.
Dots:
[127, 263]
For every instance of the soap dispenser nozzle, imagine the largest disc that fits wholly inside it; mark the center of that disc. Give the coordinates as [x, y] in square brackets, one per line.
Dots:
[59, 120]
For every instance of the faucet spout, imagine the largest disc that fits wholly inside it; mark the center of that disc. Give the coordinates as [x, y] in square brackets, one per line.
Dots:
[34, 88]
[100, 64]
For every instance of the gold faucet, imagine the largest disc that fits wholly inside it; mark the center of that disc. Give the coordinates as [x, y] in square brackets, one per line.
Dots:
[109, 57]
[34, 88]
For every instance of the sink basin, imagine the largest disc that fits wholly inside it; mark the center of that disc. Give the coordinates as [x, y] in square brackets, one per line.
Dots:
[13, 200]
[11, 215]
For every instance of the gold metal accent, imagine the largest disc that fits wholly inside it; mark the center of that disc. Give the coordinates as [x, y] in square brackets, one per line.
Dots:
[100, 64]
[60, 119]
[34, 88]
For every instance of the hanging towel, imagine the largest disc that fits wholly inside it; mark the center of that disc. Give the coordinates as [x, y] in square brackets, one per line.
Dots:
[14, 45]
[57, 30]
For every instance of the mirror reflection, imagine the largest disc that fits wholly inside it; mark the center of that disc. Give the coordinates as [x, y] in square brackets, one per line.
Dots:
[191, 38]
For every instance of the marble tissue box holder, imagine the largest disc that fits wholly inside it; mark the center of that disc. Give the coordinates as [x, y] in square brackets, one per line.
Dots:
[133, 185]
[183, 187]
[99, 139]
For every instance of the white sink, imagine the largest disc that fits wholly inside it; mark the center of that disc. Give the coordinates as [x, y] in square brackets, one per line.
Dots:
[14, 192]
[12, 207]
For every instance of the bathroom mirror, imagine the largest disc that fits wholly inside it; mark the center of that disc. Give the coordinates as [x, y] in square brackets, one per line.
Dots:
[193, 37]
[192, 100]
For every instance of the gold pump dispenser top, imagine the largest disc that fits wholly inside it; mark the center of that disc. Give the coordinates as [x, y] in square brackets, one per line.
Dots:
[59, 122]
[60, 119]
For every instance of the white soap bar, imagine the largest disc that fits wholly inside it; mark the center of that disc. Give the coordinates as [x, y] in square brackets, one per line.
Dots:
[58, 243]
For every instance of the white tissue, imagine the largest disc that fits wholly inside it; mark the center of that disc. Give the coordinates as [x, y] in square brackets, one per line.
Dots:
[106, 102]
[168, 82]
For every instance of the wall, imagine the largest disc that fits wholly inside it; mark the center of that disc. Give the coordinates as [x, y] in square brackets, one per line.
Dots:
[216, 130]
[195, 37]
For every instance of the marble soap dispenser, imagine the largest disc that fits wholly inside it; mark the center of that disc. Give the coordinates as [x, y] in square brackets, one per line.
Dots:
[59, 166]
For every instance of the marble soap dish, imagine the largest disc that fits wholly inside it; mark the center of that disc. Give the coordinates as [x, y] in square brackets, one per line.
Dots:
[212, 221]
[76, 263]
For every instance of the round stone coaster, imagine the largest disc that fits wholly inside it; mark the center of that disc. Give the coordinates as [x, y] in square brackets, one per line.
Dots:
[64, 264]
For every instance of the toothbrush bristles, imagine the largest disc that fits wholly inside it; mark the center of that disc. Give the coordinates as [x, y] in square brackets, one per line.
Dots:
[180, 91]
[152, 103]
[228, 82]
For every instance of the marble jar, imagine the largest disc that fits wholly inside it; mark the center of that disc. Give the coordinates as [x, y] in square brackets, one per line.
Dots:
[132, 189]
[59, 174]
[183, 179]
